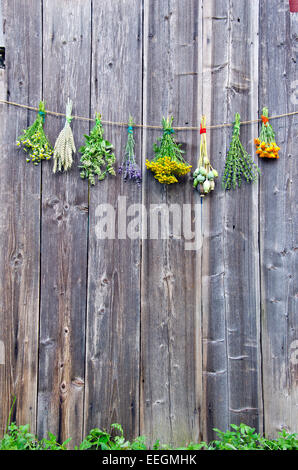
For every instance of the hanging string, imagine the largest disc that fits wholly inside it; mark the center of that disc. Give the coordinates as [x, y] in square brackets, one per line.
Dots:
[147, 126]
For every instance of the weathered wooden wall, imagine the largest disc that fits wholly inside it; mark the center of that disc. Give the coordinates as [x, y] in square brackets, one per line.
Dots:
[168, 342]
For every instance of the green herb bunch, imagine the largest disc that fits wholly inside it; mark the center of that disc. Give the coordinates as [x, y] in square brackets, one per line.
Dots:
[168, 146]
[34, 141]
[239, 164]
[97, 157]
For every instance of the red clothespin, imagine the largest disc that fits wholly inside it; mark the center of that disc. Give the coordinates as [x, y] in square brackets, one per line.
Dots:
[293, 6]
[202, 130]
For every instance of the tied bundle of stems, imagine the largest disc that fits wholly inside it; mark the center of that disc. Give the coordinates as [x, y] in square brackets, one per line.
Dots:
[129, 168]
[34, 141]
[205, 174]
[97, 156]
[64, 146]
[266, 145]
[168, 164]
[239, 164]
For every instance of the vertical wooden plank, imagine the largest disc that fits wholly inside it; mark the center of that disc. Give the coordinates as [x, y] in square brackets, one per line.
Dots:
[21, 81]
[278, 219]
[64, 230]
[169, 405]
[230, 262]
[241, 228]
[113, 322]
[213, 79]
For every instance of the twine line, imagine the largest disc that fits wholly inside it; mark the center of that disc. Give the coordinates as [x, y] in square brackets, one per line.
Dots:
[146, 126]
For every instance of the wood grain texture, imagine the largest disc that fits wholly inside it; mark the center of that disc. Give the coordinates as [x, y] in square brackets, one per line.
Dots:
[230, 276]
[213, 78]
[64, 229]
[169, 342]
[241, 228]
[169, 405]
[20, 215]
[278, 220]
[113, 322]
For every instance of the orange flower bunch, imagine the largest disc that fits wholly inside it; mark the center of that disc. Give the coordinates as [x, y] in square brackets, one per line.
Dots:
[267, 151]
[265, 144]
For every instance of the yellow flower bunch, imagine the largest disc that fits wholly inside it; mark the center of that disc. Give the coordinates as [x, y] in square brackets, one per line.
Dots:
[167, 170]
[266, 145]
[34, 141]
[168, 164]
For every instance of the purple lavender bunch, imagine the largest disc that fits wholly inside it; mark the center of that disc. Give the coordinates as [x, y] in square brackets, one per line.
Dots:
[129, 168]
[130, 171]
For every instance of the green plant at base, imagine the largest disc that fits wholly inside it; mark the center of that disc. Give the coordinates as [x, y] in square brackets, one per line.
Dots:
[34, 141]
[239, 164]
[240, 437]
[244, 437]
[102, 440]
[97, 158]
[20, 438]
